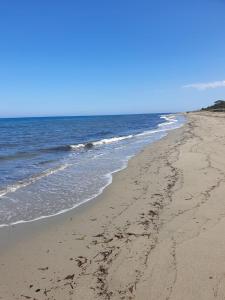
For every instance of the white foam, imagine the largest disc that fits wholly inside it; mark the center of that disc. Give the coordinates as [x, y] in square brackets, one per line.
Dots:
[78, 146]
[102, 142]
[108, 176]
[171, 120]
[112, 140]
[20, 184]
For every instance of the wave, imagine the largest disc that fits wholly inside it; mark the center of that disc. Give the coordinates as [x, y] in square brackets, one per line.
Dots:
[101, 142]
[112, 140]
[23, 183]
[99, 192]
[89, 145]
[171, 119]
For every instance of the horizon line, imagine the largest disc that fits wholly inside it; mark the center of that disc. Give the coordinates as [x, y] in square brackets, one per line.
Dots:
[68, 116]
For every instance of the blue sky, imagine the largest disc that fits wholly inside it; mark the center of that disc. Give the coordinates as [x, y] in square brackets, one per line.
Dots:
[86, 57]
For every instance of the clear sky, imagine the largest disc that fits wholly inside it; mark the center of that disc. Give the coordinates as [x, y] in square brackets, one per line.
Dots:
[81, 57]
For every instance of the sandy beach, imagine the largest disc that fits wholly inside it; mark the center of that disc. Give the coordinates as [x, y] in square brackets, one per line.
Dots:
[155, 233]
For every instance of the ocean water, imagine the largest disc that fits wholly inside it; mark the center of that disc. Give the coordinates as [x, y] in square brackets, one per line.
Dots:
[51, 165]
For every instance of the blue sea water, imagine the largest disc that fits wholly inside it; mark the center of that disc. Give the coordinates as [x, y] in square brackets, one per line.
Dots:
[53, 164]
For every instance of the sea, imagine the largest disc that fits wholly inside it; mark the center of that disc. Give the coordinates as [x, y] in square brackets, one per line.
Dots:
[49, 165]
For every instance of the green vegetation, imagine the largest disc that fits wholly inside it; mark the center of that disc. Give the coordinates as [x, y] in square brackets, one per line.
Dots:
[218, 105]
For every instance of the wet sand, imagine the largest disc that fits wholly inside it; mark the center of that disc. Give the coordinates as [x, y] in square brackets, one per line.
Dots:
[156, 233]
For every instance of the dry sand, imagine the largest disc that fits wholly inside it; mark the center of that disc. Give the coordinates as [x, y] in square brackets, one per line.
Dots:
[156, 233]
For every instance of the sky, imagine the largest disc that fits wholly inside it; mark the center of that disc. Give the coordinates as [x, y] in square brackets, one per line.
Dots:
[91, 57]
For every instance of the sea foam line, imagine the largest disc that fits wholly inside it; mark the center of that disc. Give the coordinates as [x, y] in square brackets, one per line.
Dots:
[20, 184]
[109, 176]
[160, 125]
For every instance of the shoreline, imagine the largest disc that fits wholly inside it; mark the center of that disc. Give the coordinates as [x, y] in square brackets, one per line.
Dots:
[27, 229]
[110, 175]
[155, 233]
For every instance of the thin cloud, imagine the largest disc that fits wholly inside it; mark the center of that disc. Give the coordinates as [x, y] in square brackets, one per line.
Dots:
[207, 85]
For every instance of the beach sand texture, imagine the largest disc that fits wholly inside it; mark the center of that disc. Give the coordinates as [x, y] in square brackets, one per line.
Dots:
[156, 233]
